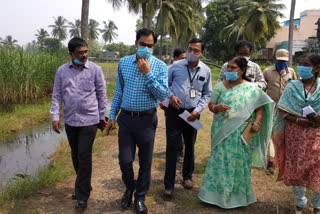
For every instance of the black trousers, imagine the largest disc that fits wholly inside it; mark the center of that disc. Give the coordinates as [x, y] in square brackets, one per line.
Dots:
[81, 140]
[135, 132]
[175, 126]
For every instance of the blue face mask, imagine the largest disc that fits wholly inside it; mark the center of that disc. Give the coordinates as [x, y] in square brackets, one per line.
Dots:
[79, 63]
[281, 65]
[144, 52]
[305, 72]
[232, 76]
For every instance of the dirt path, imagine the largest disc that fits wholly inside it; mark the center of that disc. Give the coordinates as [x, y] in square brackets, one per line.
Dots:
[273, 197]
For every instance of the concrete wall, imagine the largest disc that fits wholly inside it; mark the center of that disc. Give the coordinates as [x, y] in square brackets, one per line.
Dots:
[307, 29]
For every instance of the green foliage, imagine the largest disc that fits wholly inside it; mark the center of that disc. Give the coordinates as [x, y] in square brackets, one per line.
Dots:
[94, 48]
[257, 22]
[108, 32]
[124, 50]
[50, 45]
[220, 13]
[59, 29]
[93, 33]
[25, 77]
[75, 28]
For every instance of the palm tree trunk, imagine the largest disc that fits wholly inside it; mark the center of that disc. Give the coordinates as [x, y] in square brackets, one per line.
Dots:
[84, 19]
[144, 16]
[293, 4]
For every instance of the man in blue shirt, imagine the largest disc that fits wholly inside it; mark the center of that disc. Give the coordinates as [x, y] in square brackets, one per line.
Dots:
[142, 81]
[190, 89]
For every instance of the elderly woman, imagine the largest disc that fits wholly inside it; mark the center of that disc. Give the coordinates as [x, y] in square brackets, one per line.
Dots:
[296, 134]
[235, 102]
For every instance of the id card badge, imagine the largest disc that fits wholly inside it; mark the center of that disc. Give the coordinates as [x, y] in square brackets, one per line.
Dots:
[192, 93]
[307, 111]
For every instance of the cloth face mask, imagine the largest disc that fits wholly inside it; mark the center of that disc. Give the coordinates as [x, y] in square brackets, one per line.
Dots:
[280, 65]
[232, 76]
[305, 72]
[144, 52]
[191, 57]
[79, 63]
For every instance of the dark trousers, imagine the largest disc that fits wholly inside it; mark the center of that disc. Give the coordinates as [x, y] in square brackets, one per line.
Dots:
[175, 126]
[135, 132]
[81, 140]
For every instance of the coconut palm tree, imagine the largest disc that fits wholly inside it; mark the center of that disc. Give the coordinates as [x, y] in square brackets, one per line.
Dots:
[108, 33]
[9, 41]
[41, 34]
[93, 29]
[258, 20]
[59, 29]
[75, 28]
[146, 7]
[84, 19]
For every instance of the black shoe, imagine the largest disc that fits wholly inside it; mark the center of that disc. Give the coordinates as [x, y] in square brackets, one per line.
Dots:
[81, 204]
[73, 196]
[126, 199]
[140, 207]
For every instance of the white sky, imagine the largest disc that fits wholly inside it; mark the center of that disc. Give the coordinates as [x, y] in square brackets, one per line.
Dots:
[22, 18]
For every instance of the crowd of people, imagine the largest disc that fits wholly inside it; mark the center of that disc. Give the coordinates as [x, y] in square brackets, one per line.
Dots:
[279, 112]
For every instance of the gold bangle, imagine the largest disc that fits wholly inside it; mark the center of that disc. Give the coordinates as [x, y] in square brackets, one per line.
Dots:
[213, 109]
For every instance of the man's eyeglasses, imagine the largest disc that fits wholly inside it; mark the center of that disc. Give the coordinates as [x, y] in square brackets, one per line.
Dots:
[145, 45]
[196, 51]
[80, 53]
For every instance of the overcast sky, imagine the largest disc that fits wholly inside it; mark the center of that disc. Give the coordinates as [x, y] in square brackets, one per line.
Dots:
[22, 18]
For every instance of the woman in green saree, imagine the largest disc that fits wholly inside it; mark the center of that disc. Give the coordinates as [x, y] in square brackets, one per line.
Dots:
[236, 102]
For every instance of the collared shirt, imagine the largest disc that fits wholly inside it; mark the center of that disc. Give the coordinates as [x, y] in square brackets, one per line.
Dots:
[254, 73]
[277, 82]
[180, 84]
[136, 91]
[83, 92]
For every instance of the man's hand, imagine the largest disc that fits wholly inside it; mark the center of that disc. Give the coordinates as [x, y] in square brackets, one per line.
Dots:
[143, 66]
[56, 126]
[110, 126]
[102, 125]
[193, 116]
[162, 106]
[175, 101]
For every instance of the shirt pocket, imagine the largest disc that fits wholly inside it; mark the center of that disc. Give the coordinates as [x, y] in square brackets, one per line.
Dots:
[198, 84]
[86, 85]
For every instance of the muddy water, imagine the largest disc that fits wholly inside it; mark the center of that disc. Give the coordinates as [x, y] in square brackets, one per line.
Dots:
[23, 155]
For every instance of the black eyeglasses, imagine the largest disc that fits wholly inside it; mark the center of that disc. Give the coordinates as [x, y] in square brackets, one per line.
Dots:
[80, 53]
[196, 51]
[145, 45]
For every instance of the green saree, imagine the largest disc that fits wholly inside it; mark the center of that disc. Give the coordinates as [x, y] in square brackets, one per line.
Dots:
[227, 179]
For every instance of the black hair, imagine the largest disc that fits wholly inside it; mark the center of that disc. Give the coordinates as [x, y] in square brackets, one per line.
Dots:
[146, 32]
[314, 59]
[196, 40]
[242, 63]
[177, 52]
[76, 42]
[243, 43]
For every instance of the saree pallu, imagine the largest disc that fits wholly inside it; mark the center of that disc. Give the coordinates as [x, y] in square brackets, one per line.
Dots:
[297, 148]
[227, 179]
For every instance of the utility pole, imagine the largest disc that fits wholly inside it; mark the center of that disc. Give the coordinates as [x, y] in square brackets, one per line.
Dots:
[293, 5]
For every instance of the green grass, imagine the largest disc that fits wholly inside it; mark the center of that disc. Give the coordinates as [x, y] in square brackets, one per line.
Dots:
[26, 77]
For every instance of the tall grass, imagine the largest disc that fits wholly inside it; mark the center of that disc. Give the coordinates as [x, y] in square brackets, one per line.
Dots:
[26, 77]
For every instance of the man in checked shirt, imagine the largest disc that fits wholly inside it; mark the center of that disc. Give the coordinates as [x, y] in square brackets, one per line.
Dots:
[142, 81]
[254, 73]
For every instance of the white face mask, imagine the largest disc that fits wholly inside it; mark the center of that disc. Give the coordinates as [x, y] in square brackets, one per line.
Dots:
[192, 58]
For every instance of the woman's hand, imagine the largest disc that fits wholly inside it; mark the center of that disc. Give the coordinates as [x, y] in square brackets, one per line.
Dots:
[256, 126]
[218, 108]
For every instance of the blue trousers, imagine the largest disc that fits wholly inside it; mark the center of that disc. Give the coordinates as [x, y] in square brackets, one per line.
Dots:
[136, 131]
[299, 193]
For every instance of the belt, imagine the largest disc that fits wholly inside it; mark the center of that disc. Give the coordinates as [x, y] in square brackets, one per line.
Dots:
[139, 113]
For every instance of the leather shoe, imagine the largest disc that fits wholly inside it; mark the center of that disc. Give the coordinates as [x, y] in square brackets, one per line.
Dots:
[81, 204]
[168, 193]
[141, 208]
[126, 199]
[73, 196]
[187, 184]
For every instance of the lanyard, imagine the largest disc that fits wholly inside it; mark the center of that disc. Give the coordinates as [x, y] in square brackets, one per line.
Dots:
[307, 93]
[191, 79]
